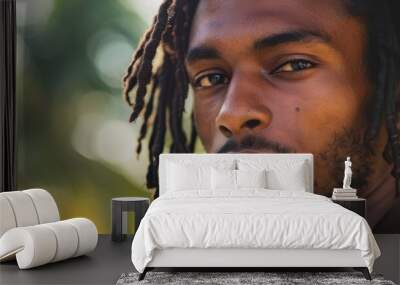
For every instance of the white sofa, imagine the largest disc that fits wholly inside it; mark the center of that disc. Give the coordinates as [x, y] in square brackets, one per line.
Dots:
[31, 230]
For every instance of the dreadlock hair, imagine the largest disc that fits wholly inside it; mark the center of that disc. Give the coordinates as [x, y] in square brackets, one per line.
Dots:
[169, 85]
[169, 33]
[383, 59]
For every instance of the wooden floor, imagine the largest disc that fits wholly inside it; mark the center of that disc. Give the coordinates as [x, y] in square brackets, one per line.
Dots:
[103, 266]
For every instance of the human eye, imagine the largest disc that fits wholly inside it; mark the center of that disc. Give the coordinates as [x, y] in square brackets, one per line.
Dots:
[210, 80]
[294, 65]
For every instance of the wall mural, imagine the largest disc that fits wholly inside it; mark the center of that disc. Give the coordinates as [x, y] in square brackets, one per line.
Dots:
[286, 76]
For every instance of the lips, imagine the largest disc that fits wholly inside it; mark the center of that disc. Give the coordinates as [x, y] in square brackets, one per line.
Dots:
[249, 150]
[254, 144]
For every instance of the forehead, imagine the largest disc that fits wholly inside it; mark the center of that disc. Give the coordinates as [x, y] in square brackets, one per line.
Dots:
[218, 21]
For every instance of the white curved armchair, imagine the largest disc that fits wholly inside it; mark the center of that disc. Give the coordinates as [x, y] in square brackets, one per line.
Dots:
[31, 230]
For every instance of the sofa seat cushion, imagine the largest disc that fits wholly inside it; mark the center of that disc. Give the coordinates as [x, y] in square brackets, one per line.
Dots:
[40, 244]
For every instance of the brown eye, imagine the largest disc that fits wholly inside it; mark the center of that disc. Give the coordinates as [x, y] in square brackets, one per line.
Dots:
[295, 65]
[210, 80]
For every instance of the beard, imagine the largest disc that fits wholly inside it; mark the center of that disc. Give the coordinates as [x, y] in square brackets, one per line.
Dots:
[328, 163]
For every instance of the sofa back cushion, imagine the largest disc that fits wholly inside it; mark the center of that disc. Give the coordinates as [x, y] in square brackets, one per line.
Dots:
[26, 208]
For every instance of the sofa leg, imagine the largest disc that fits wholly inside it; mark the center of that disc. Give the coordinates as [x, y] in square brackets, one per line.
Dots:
[364, 271]
[143, 274]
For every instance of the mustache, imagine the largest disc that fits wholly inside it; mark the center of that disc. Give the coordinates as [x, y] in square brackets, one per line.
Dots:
[255, 143]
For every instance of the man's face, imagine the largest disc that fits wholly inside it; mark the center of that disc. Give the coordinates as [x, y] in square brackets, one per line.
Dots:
[281, 76]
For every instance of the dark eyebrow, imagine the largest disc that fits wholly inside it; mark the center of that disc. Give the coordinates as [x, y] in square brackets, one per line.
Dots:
[202, 52]
[290, 37]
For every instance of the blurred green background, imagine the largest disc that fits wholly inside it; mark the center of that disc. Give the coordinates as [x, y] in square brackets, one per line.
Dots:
[74, 138]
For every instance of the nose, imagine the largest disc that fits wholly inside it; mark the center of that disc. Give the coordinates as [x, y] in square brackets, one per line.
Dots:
[241, 111]
[235, 124]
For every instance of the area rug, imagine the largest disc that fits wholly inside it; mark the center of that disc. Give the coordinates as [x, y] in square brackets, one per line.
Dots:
[243, 278]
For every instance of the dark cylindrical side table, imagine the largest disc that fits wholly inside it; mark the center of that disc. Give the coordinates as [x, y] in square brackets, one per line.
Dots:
[120, 206]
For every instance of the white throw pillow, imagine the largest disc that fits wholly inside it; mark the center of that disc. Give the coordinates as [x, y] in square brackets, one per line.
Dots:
[223, 179]
[181, 177]
[282, 174]
[228, 179]
[187, 174]
[292, 179]
[251, 178]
